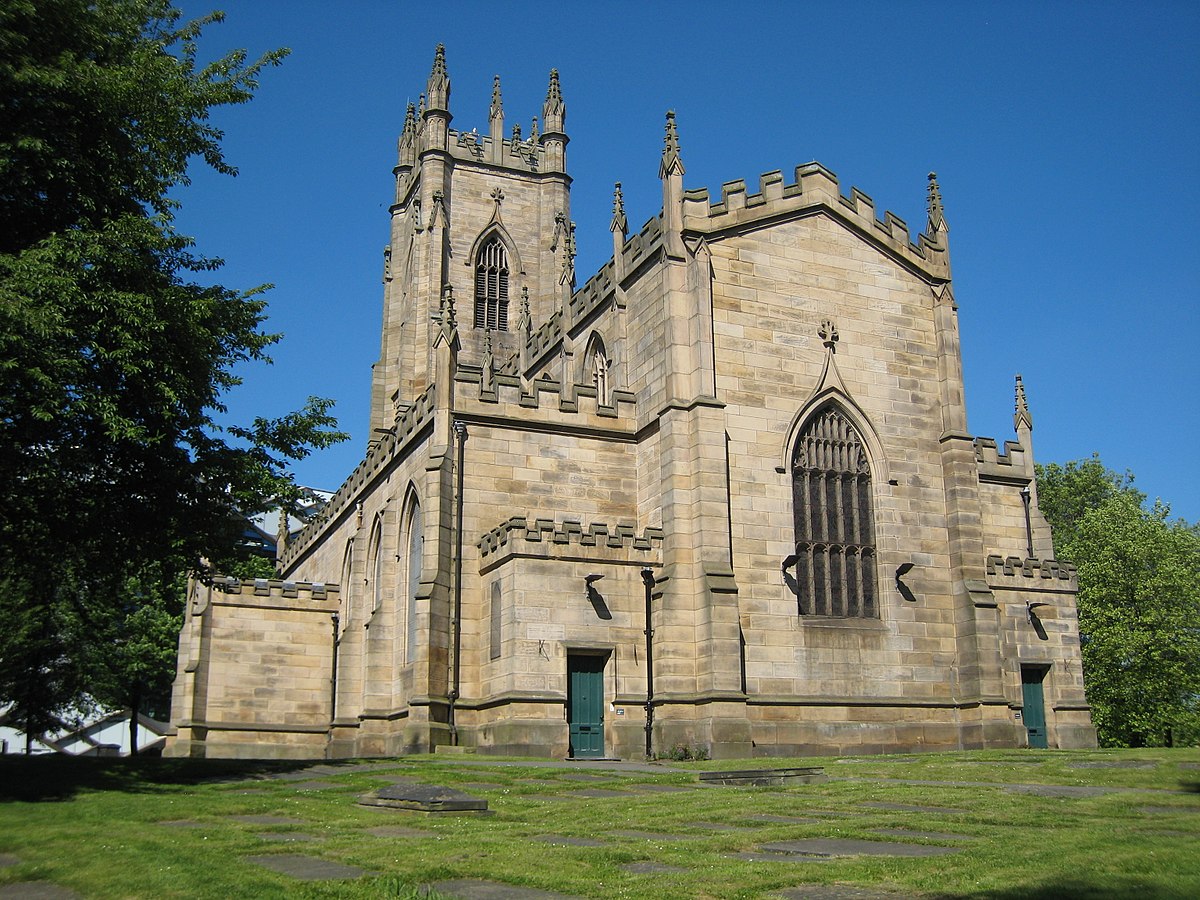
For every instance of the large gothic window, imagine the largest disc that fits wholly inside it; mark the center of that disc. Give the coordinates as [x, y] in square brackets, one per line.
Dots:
[835, 530]
[491, 286]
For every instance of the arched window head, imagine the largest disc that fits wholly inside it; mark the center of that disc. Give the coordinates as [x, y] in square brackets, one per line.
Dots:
[600, 375]
[835, 527]
[491, 286]
[416, 549]
[376, 563]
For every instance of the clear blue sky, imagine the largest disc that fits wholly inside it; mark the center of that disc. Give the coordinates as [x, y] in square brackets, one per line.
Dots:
[1066, 137]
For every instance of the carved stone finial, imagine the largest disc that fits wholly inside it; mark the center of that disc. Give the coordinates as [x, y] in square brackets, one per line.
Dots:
[448, 316]
[533, 131]
[497, 109]
[524, 320]
[387, 263]
[937, 218]
[554, 111]
[1021, 414]
[439, 210]
[497, 196]
[672, 163]
[619, 222]
[568, 266]
[829, 335]
[421, 105]
[560, 226]
[439, 82]
[406, 146]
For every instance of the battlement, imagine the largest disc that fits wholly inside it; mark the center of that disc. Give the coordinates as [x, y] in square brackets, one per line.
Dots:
[268, 587]
[410, 422]
[570, 531]
[1013, 465]
[1024, 573]
[814, 188]
[507, 389]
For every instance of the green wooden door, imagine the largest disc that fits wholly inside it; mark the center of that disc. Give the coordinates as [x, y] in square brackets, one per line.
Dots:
[585, 703]
[1034, 712]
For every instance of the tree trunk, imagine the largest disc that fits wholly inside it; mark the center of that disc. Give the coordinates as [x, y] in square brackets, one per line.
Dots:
[135, 701]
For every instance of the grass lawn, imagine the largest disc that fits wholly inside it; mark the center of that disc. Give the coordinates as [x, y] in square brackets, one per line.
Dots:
[1117, 824]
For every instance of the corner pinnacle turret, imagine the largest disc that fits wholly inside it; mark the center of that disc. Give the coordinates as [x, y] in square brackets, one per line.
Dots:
[554, 110]
[438, 89]
[497, 108]
[1021, 414]
[619, 222]
[937, 217]
[407, 145]
[672, 163]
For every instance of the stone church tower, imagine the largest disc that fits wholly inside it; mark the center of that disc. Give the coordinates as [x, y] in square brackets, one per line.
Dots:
[721, 495]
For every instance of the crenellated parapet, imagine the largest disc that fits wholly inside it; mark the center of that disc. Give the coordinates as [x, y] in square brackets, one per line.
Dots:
[544, 393]
[1022, 572]
[570, 531]
[272, 587]
[814, 189]
[1010, 467]
[410, 423]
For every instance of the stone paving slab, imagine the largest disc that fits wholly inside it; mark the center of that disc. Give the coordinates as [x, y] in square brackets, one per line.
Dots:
[7, 859]
[850, 847]
[913, 807]
[585, 776]
[652, 868]
[927, 835]
[718, 826]
[781, 857]
[307, 868]
[477, 889]
[661, 788]
[566, 841]
[37, 890]
[316, 785]
[1059, 790]
[427, 798]
[268, 820]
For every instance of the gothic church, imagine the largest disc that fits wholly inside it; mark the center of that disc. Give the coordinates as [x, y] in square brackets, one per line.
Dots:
[722, 495]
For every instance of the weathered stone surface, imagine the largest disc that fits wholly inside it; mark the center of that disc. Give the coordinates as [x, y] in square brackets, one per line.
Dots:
[912, 807]
[849, 847]
[766, 777]
[652, 868]
[424, 798]
[477, 889]
[567, 841]
[268, 820]
[37, 890]
[307, 868]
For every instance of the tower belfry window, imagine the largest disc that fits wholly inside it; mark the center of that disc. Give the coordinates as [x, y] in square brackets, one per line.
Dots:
[491, 286]
[835, 528]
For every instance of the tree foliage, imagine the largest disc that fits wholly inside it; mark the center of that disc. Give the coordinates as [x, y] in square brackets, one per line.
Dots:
[1139, 603]
[115, 470]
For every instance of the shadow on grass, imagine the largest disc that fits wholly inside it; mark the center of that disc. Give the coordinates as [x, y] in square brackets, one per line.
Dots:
[1192, 787]
[56, 778]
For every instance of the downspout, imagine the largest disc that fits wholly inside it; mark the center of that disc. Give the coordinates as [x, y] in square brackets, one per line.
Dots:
[460, 430]
[648, 582]
[1025, 500]
[335, 620]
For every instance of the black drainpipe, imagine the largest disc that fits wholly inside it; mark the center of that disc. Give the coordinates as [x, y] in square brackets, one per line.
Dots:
[333, 673]
[648, 581]
[460, 430]
[1025, 499]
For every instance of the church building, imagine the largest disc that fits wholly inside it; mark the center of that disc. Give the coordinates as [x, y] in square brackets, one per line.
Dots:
[721, 496]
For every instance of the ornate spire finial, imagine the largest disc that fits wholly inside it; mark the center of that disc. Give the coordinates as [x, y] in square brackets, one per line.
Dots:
[672, 164]
[524, 320]
[406, 148]
[619, 222]
[533, 131]
[829, 335]
[449, 318]
[1021, 414]
[421, 105]
[439, 82]
[497, 103]
[554, 111]
[937, 219]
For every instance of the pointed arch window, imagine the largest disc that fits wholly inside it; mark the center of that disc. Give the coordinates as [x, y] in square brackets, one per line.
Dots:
[416, 549]
[491, 286]
[835, 525]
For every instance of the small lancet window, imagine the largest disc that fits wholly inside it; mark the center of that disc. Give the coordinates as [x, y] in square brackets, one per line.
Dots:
[835, 528]
[491, 286]
[600, 376]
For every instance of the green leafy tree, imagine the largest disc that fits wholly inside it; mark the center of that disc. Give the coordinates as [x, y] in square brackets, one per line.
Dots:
[114, 360]
[1139, 603]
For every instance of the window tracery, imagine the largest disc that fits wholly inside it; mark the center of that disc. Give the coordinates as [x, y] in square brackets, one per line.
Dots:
[491, 286]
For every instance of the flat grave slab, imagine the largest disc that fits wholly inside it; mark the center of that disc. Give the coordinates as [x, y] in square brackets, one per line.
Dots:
[718, 826]
[37, 890]
[781, 857]
[307, 868]
[661, 788]
[850, 847]
[913, 807]
[7, 859]
[842, 892]
[566, 841]
[268, 820]
[315, 785]
[426, 798]
[766, 777]
[477, 889]
[1059, 790]
[584, 776]
[652, 868]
